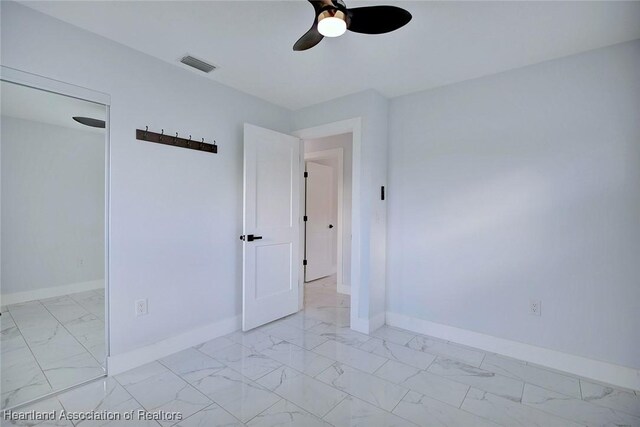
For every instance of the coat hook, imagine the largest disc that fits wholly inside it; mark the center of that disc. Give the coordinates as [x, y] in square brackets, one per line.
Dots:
[175, 140]
[146, 130]
[189, 142]
[161, 135]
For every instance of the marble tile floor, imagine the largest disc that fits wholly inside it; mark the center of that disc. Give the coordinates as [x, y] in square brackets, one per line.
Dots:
[51, 344]
[310, 369]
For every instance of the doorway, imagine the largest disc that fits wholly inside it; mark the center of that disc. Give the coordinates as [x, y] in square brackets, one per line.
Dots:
[327, 228]
[272, 232]
[327, 231]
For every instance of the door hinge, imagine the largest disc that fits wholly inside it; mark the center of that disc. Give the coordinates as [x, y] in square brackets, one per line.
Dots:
[306, 174]
[304, 218]
[304, 262]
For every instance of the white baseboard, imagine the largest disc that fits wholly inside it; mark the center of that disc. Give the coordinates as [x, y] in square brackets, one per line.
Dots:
[366, 326]
[606, 372]
[377, 322]
[56, 291]
[343, 289]
[360, 325]
[119, 363]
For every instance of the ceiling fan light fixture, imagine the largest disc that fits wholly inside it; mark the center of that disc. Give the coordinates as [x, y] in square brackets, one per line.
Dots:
[332, 23]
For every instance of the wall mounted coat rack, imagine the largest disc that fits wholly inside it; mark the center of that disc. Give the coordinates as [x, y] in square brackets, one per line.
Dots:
[176, 141]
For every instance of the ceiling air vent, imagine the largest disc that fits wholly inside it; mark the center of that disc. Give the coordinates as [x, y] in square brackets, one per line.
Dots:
[197, 64]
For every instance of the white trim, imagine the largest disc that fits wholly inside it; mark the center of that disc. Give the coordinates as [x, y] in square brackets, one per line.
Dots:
[377, 321]
[123, 362]
[107, 239]
[50, 85]
[338, 154]
[330, 129]
[353, 126]
[606, 372]
[342, 289]
[52, 292]
[359, 324]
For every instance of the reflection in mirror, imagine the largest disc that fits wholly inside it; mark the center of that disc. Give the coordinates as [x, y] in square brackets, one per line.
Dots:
[52, 243]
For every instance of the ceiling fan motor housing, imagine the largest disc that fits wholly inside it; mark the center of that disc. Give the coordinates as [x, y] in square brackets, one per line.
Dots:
[334, 9]
[331, 12]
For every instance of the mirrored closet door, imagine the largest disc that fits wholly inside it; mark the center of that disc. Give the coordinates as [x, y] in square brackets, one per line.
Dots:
[53, 222]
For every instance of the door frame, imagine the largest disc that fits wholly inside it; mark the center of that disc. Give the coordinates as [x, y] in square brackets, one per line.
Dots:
[46, 84]
[338, 154]
[353, 126]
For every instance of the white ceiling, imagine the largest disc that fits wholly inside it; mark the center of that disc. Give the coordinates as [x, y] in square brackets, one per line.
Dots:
[45, 107]
[446, 42]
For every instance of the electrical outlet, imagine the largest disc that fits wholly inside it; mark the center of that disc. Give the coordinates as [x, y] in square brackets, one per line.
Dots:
[141, 307]
[535, 307]
[80, 262]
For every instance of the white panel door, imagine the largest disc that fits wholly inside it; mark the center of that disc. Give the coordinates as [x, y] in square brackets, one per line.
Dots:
[319, 229]
[271, 227]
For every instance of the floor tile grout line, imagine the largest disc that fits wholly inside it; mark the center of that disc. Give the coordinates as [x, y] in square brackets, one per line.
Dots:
[469, 412]
[484, 356]
[82, 305]
[552, 415]
[204, 409]
[481, 416]
[445, 356]
[322, 382]
[186, 382]
[356, 368]
[201, 344]
[266, 409]
[369, 403]
[401, 399]
[556, 415]
[580, 386]
[74, 337]
[615, 411]
[31, 350]
[356, 397]
[459, 382]
[381, 366]
[336, 405]
[465, 396]
[328, 385]
[197, 389]
[132, 396]
[520, 378]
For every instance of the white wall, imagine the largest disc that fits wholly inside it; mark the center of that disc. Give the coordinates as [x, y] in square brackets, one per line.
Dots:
[523, 185]
[52, 206]
[369, 233]
[343, 141]
[175, 213]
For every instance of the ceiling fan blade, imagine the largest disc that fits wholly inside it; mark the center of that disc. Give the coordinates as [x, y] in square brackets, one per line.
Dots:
[377, 19]
[309, 39]
[313, 36]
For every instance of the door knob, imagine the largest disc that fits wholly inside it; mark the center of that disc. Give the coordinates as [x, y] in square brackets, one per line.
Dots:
[250, 237]
[330, 225]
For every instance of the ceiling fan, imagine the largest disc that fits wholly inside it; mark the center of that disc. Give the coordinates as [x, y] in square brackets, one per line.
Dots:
[332, 19]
